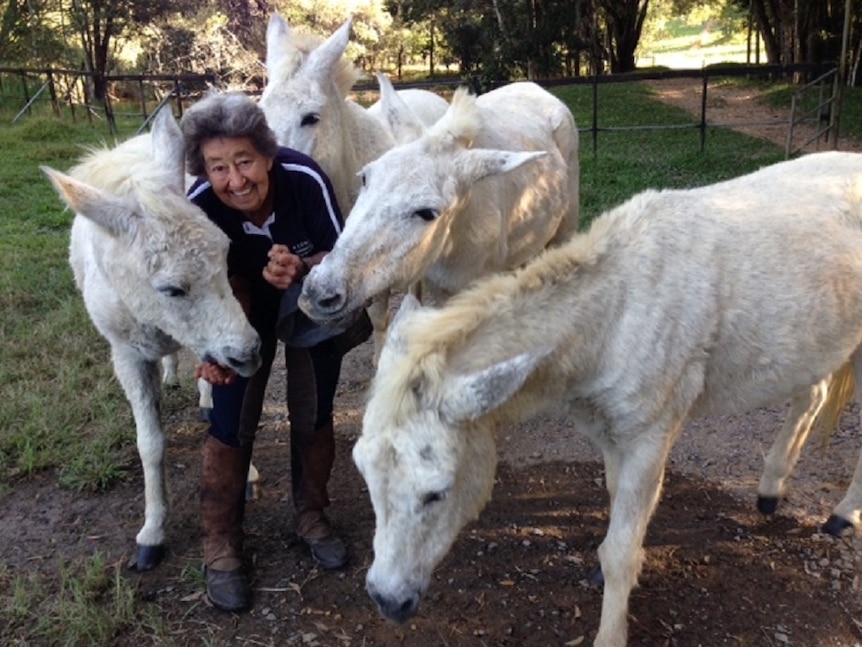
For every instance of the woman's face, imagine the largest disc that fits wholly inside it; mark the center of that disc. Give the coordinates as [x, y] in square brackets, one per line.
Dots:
[239, 174]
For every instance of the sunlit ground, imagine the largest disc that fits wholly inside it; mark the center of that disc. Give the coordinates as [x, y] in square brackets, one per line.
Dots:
[694, 49]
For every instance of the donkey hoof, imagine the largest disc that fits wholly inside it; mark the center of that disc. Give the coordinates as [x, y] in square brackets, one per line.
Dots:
[596, 576]
[836, 525]
[147, 558]
[206, 414]
[767, 504]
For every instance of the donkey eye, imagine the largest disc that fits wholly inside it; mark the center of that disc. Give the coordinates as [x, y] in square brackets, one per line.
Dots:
[172, 291]
[434, 497]
[426, 214]
[309, 119]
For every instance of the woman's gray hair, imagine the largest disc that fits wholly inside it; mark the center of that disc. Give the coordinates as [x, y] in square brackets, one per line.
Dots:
[224, 114]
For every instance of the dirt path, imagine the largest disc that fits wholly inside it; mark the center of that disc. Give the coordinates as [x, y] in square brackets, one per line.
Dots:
[729, 104]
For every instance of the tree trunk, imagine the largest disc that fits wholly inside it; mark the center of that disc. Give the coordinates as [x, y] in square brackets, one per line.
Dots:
[625, 22]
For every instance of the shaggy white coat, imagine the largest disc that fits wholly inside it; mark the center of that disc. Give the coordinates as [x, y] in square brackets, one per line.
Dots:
[307, 105]
[713, 300]
[486, 188]
[152, 270]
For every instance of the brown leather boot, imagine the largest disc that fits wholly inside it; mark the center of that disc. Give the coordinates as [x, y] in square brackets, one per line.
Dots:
[311, 458]
[223, 483]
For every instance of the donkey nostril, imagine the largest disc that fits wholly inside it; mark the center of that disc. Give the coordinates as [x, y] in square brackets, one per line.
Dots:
[330, 303]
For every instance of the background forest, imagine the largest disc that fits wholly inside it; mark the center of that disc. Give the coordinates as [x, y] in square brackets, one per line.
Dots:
[490, 39]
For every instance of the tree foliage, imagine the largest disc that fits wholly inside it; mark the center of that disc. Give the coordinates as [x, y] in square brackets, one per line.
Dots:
[802, 31]
[492, 39]
[28, 33]
[99, 24]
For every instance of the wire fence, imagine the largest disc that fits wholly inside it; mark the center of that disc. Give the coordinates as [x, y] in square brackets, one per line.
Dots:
[137, 98]
[131, 97]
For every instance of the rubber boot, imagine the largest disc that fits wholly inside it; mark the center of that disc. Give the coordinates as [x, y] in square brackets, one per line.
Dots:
[223, 484]
[311, 458]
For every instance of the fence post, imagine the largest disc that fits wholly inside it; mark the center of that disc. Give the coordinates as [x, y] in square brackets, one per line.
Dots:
[26, 91]
[143, 98]
[178, 92]
[53, 92]
[109, 112]
[595, 127]
[703, 111]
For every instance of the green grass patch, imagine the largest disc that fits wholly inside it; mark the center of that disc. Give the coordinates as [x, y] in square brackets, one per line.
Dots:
[60, 407]
[80, 604]
[850, 125]
[628, 161]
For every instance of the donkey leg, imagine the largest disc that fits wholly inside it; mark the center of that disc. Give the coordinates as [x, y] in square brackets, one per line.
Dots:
[785, 450]
[611, 459]
[637, 489]
[139, 378]
[847, 513]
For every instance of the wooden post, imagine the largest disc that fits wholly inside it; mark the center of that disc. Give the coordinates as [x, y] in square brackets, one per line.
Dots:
[143, 98]
[53, 92]
[26, 91]
[703, 111]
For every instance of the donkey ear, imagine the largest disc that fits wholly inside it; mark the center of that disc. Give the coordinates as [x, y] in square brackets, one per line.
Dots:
[402, 121]
[475, 164]
[322, 59]
[468, 397]
[168, 147]
[277, 42]
[100, 207]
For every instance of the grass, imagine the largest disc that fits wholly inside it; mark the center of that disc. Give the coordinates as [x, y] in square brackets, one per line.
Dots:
[780, 94]
[81, 603]
[630, 161]
[63, 414]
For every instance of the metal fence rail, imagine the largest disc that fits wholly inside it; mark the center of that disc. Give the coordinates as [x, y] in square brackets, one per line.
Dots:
[823, 113]
[71, 89]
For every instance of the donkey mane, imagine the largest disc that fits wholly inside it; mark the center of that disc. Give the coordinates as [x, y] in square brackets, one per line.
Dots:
[436, 331]
[434, 336]
[129, 172]
[461, 122]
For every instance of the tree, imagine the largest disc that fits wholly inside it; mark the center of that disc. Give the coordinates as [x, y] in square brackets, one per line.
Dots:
[26, 35]
[624, 21]
[99, 23]
[800, 31]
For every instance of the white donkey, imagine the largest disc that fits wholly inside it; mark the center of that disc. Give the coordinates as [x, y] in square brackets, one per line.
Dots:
[450, 206]
[152, 270]
[306, 104]
[683, 303]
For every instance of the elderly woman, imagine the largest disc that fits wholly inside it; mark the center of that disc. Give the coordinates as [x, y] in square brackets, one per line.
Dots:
[279, 211]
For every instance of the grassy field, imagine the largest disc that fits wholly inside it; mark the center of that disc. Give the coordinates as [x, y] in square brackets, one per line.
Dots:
[63, 416]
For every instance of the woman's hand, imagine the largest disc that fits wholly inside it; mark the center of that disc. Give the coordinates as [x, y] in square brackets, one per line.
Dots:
[215, 374]
[284, 268]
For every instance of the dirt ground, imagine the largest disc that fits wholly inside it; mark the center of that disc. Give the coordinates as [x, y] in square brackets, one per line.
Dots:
[716, 571]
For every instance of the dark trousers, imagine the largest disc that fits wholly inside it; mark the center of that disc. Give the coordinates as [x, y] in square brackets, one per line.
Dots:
[312, 377]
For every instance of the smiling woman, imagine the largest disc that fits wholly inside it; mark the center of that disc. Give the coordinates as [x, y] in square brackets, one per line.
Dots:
[278, 209]
[239, 176]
